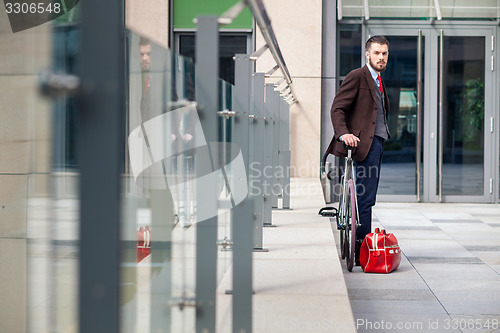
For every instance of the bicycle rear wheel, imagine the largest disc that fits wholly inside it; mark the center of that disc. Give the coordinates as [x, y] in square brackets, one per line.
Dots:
[341, 227]
[347, 226]
[351, 227]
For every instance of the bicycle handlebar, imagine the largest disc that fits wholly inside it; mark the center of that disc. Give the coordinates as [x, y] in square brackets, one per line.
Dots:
[325, 156]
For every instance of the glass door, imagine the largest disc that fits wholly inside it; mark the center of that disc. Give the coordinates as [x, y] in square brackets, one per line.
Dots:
[464, 113]
[439, 83]
[401, 171]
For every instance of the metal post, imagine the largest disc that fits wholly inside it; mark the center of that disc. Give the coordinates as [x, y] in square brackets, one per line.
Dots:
[242, 266]
[328, 83]
[241, 103]
[440, 117]
[162, 222]
[275, 188]
[207, 85]
[418, 148]
[286, 154]
[101, 131]
[268, 155]
[242, 215]
[255, 183]
[281, 149]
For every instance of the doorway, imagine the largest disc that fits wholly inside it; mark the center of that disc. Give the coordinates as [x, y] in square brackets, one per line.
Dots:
[440, 85]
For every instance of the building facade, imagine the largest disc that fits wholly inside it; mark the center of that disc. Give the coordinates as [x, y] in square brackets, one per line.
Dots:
[443, 81]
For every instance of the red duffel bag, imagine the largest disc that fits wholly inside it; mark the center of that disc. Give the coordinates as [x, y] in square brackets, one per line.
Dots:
[380, 252]
[143, 243]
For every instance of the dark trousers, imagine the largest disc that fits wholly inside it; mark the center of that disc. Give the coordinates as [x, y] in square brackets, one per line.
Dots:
[367, 179]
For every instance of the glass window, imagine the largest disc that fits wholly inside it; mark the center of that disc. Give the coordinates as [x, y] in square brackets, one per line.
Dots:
[459, 9]
[349, 48]
[229, 45]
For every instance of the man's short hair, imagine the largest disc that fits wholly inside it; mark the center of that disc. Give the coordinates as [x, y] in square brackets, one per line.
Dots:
[144, 41]
[376, 39]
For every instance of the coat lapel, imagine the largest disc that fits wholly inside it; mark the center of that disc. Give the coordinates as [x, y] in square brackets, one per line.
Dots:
[371, 83]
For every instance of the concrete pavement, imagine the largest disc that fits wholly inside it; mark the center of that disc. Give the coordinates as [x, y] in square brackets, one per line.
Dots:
[448, 280]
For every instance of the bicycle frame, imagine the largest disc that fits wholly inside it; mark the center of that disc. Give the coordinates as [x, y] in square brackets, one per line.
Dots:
[349, 173]
[348, 213]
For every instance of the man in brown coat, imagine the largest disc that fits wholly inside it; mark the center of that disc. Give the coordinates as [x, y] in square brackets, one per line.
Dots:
[359, 117]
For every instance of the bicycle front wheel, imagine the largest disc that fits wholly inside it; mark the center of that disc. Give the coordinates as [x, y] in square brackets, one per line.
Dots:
[351, 227]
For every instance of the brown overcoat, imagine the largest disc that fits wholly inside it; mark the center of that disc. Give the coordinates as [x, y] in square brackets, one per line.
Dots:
[354, 111]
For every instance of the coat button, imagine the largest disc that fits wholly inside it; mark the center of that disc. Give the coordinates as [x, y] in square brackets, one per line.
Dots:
[373, 123]
[371, 137]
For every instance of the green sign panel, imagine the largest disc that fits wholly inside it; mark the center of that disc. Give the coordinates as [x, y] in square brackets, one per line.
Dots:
[186, 10]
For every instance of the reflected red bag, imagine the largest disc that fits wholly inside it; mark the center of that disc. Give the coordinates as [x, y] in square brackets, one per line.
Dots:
[143, 243]
[380, 252]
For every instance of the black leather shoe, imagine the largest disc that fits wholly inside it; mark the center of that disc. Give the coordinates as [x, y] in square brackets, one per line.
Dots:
[356, 253]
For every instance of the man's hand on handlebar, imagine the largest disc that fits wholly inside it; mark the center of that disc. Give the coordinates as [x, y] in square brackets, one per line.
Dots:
[350, 140]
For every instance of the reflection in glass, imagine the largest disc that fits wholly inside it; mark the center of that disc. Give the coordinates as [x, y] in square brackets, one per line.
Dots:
[39, 192]
[350, 50]
[65, 192]
[149, 210]
[398, 173]
[169, 164]
[463, 115]
[229, 45]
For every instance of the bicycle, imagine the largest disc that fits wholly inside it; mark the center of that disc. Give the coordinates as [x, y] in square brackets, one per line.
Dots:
[347, 214]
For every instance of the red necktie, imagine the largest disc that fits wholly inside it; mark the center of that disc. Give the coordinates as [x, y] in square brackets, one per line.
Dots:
[146, 86]
[380, 85]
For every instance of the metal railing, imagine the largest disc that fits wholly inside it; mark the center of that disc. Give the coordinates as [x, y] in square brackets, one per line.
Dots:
[167, 189]
[259, 118]
[262, 19]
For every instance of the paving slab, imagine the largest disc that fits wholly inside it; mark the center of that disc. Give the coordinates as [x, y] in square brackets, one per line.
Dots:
[432, 248]
[409, 307]
[449, 273]
[460, 272]
[298, 283]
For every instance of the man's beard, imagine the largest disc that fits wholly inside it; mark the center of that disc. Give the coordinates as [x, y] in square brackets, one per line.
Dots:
[377, 67]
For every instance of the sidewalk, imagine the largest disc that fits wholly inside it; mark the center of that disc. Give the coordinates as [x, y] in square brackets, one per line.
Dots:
[448, 281]
[298, 283]
[449, 278]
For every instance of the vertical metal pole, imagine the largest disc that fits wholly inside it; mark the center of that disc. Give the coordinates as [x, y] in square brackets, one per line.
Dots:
[255, 183]
[286, 154]
[207, 96]
[275, 189]
[101, 132]
[242, 215]
[281, 147]
[441, 126]
[328, 80]
[268, 155]
[242, 266]
[241, 104]
[162, 221]
[418, 148]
